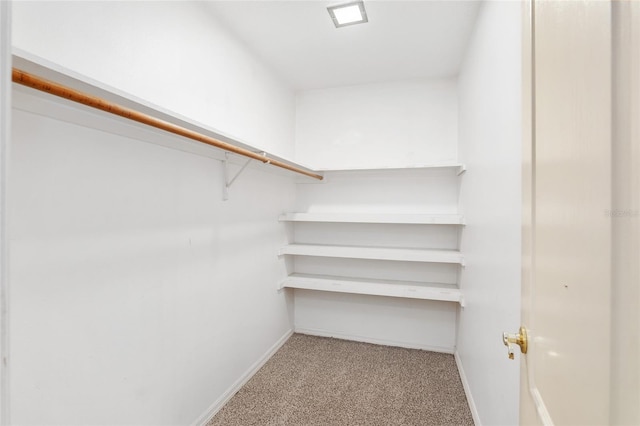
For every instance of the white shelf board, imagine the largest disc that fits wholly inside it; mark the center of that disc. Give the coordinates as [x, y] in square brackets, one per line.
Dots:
[460, 168]
[416, 219]
[80, 114]
[376, 253]
[405, 289]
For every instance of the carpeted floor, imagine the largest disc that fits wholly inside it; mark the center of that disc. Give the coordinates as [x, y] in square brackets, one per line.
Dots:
[322, 381]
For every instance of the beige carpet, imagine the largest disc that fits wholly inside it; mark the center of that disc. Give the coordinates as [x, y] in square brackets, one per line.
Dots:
[322, 381]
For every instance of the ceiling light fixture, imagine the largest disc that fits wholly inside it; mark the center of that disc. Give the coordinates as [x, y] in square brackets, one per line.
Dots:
[348, 14]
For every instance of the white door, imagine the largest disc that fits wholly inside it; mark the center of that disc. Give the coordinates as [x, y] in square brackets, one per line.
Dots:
[571, 219]
[567, 248]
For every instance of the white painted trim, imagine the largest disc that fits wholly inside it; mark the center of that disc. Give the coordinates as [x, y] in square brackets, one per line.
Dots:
[467, 390]
[229, 393]
[384, 342]
[541, 408]
[5, 142]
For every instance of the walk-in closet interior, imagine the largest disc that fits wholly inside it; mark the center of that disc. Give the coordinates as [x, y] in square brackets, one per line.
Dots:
[152, 273]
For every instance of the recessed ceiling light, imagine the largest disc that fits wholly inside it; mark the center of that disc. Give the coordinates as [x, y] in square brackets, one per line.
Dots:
[348, 14]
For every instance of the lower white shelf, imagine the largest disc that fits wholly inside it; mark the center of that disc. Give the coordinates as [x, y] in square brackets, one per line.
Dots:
[405, 289]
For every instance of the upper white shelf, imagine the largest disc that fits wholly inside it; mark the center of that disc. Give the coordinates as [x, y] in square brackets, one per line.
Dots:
[374, 253]
[25, 98]
[414, 219]
[460, 168]
[405, 289]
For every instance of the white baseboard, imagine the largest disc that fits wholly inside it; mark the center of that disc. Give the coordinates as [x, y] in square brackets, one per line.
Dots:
[385, 342]
[467, 390]
[226, 396]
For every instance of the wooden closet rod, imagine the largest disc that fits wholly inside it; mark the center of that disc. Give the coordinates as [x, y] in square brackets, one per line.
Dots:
[35, 82]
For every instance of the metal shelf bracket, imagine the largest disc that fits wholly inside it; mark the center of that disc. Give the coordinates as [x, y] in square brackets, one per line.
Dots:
[226, 182]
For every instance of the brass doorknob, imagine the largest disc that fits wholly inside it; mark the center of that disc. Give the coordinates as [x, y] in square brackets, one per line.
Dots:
[519, 339]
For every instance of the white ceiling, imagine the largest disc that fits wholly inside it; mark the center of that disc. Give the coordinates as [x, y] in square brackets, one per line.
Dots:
[402, 40]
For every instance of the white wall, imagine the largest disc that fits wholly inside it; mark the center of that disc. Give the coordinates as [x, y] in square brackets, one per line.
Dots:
[490, 146]
[127, 268]
[137, 295]
[411, 323]
[395, 124]
[5, 138]
[174, 54]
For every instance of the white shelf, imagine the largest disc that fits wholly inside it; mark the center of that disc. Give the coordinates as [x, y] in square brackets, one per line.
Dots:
[376, 253]
[405, 289]
[52, 71]
[460, 168]
[416, 219]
